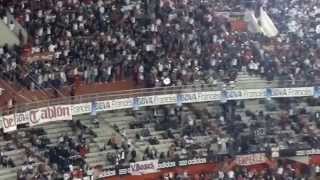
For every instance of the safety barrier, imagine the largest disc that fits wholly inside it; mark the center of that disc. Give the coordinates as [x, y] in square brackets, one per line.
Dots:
[65, 109]
[148, 92]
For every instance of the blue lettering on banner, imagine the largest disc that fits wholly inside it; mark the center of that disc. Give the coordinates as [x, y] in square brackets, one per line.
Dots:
[208, 96]
[122, 103]
[103, 106]
[166, 99]
[179, 100]
[232, 94]
[293, 92]
[269, 93]
[135, 103]
[141, 167]
[188, 97]
[145, 101]
[224, 96]
[316, 91]
[245, 94]
[82, 108]
[94, 108]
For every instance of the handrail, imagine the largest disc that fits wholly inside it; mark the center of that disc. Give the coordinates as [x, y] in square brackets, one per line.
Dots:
[151, 91]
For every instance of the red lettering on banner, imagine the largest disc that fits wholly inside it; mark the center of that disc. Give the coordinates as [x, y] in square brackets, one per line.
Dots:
[251, 159]
[55, 112]
[33, 116]
[50, 114]
[8, 122]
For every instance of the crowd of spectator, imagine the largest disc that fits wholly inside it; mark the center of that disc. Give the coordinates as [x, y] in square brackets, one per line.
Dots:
[159, 43]
[296, 48]
[284, 170]
[64, 157]
[169, 43]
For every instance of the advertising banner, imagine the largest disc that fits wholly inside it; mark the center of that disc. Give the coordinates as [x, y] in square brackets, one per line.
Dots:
[292, 92]
[135, 104]
[106, 173]
[93, 108]
[143, 167]
[192, 162]
[9, 123]
[65, 112]
[308, 152]
[121, 103]
[246, 94]
[83, 108]
[188, 97]
[250, 159]
[50, 114]
[165, 99]
[102, 106]
[151, 166]
[316, 92]
[208, 96]
[145, 101]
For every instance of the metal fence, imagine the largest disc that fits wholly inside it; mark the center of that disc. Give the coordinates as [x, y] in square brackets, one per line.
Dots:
[154, 91]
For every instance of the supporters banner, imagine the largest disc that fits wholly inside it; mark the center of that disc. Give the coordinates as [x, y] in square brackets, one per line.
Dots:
[165, 99]
[83, 108]
[251, 159]
[9, 123]
[39, 57]
[143, 167]
[208, 96]
[246, 94]
[292, 92]
[22, 118]
[50, 114]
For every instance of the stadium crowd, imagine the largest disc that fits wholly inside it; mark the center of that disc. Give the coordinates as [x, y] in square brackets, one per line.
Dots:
[283, 171]
[166, 43]
[160, 43]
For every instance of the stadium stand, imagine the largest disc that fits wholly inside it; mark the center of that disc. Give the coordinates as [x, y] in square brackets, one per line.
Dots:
[69, 48]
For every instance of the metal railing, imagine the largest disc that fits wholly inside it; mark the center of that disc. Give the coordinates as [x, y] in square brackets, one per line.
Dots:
[154, 91]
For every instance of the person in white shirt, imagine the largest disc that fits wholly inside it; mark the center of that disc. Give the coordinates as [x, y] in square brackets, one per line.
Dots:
[12, 26]
[317, 170]
[231, 175]
[220, 175]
